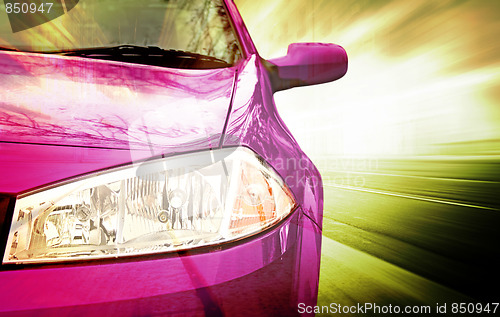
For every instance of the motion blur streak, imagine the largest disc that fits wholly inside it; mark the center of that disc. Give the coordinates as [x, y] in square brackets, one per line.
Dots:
[423, 75]
[408, 143]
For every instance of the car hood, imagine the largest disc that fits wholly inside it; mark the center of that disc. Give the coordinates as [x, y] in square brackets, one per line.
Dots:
[75, 115]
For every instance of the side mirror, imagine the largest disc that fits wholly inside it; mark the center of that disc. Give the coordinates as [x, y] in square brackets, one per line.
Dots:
[307, 64]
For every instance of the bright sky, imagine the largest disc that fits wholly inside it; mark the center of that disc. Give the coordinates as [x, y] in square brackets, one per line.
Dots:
[423, 76]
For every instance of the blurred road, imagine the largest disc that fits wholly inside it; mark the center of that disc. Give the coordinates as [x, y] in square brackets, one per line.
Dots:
[414, 231]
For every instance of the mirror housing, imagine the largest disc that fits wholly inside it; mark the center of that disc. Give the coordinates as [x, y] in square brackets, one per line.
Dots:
[307, 64]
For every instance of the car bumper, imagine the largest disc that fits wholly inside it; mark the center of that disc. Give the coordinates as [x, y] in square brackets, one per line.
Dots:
[268, 274]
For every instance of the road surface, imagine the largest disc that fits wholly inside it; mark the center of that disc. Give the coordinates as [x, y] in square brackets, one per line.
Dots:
[411, 233]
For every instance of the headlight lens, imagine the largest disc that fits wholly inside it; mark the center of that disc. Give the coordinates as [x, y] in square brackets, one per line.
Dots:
[177, 203]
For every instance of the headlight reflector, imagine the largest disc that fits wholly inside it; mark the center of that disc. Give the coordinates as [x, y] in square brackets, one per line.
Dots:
[161, 205]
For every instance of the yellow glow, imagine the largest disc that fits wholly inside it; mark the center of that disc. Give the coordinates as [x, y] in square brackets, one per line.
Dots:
[423, 75]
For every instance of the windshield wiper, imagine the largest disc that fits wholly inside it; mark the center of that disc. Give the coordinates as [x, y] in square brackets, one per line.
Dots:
[149, 55]
[2, 48]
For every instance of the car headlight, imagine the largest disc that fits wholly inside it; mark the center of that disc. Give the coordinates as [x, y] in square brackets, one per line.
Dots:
[161, 205]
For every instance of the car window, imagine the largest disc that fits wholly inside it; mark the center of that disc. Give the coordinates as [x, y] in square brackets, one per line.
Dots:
[196, 26]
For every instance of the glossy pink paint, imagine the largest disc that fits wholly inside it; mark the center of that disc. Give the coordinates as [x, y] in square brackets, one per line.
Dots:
[251, 121]
[38, 156]
[84, 111]
[50, 99]
[61, 117]
[309, 64]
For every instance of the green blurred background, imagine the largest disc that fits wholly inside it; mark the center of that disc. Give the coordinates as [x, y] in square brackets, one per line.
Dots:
[408, 143]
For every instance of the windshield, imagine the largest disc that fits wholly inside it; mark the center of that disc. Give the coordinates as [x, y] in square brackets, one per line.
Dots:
[195, 26]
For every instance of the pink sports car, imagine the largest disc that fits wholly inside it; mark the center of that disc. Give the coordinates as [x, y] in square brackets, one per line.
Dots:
[144, 169]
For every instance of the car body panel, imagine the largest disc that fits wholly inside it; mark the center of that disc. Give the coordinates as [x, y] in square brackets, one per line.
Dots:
[93, 283]
[255, 122]
[247, 45]
[95, 114]
[62, 100]
[266, 274]
[252, 122]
